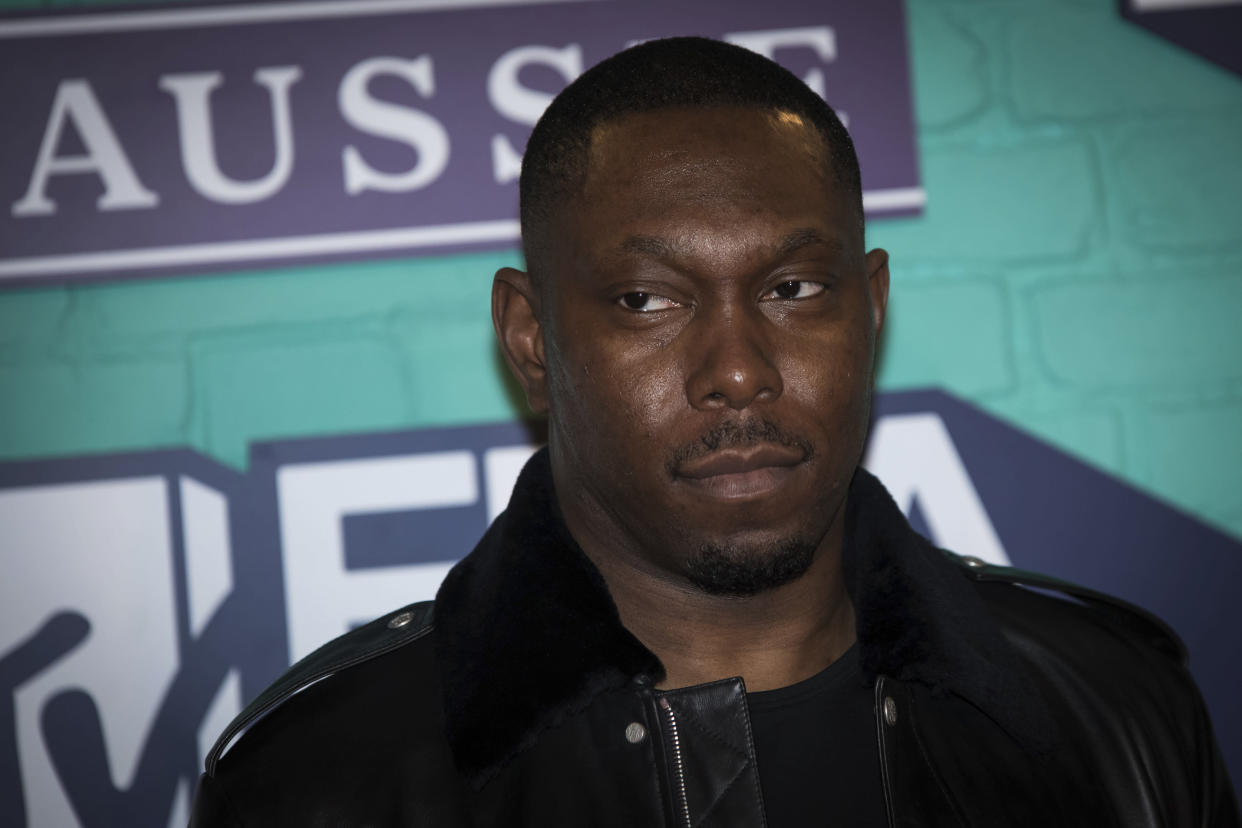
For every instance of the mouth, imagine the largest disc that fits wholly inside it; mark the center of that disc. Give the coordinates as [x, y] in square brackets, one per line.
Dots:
[734, 474]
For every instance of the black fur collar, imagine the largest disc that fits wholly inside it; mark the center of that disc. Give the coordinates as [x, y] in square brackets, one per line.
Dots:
[527, 632]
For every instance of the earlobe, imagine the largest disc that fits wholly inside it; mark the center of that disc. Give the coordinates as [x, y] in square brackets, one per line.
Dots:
[515, 316]
[877, 285]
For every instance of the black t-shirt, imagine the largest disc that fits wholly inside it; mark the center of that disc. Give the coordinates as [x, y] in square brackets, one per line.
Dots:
[815, 743]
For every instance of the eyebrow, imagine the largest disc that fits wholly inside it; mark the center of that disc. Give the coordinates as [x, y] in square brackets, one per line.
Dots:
[660, 248]
[805, 237]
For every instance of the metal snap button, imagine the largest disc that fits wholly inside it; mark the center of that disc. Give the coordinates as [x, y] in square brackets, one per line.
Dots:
[635, 733]
[973, 562]
[890, 711]
[400, 620]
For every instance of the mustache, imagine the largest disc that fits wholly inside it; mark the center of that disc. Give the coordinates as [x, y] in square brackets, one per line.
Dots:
[733, 435]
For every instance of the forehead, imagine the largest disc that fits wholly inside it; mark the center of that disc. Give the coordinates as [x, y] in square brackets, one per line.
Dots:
[725, 171]
[684, 143]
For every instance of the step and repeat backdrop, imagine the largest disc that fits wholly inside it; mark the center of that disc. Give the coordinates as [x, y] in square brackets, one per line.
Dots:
[148, 593]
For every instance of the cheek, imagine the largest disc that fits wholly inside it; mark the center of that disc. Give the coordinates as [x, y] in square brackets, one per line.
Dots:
[830, 375]
[621, 387]
[655, 398]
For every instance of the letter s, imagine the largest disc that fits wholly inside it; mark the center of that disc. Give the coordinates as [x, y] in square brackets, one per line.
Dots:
[409, 126]
[522, 105]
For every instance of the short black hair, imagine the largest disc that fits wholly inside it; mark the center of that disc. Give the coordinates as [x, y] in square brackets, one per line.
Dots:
[675, 72]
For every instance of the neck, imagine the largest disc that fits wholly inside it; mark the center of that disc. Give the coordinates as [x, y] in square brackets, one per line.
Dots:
[773, 639]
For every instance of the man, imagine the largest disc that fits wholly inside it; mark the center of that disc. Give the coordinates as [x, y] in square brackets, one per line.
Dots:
[698, 610]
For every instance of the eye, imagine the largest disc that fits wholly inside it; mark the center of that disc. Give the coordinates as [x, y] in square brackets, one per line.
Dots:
[795, 289]
[645, 302]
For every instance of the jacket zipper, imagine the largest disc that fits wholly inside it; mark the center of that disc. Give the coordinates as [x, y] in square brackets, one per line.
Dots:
[680, 769]
[882, 744]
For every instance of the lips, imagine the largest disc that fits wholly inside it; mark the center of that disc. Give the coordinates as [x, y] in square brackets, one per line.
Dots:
[739, 461]
[738, 473]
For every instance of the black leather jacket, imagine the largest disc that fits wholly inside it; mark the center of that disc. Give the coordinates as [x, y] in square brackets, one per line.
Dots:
[520, 699]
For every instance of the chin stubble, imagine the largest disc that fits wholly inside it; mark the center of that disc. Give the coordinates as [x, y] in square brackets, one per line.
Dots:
[741, 571]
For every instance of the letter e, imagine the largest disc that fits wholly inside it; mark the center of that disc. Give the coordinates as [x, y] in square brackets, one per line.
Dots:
[821, 39]
[323, 597]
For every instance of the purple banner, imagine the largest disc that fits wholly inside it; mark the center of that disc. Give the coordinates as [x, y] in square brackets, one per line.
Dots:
[207, 138]
[1211, 28]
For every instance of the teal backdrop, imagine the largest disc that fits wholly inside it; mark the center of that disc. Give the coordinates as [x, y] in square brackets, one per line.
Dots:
[1077, 271]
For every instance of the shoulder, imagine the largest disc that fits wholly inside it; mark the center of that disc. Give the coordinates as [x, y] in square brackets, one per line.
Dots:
[338, 674]
[352, 733]
[1065, 615]
[1085, 649]
[1116, 679]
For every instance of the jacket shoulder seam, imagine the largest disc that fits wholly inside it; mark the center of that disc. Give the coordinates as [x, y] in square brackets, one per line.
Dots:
[383, 635]
[1159, 633]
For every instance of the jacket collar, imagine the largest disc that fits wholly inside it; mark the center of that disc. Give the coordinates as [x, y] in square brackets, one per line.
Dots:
[528, 634]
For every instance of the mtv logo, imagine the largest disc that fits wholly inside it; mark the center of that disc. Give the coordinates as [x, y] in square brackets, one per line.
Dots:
[147, 595]
[112, 588]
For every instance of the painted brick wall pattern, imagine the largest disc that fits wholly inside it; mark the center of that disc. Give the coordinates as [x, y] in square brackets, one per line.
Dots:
[1078, 271]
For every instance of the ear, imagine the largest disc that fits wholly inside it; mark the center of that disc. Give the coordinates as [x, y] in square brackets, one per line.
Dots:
[877, 286]
[515, 315]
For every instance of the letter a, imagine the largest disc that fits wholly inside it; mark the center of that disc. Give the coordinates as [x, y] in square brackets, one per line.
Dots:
[76, 102]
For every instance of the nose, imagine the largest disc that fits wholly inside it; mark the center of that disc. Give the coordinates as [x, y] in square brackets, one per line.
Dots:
[731, 364]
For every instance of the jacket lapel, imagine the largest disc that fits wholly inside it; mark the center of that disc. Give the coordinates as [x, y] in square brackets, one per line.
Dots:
[920, 620]
[527, 633]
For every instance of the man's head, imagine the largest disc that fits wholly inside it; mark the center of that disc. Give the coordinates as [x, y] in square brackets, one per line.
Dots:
[674, 73]
[701, 318]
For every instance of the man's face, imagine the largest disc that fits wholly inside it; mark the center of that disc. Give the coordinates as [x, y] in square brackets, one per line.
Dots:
[705, 340]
